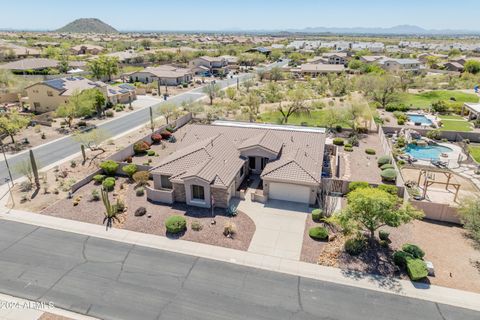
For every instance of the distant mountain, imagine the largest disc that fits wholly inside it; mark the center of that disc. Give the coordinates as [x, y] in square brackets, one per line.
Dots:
[396, 30]
[87, 25]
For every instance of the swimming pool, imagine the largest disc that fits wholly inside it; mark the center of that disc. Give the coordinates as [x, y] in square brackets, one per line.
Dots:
[426, 152]
[419, 118]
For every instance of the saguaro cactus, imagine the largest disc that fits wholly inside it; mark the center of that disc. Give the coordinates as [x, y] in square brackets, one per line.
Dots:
[83, 153]
[151, 119]
[34, 169]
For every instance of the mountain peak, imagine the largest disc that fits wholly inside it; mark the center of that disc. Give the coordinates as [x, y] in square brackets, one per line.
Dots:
[87, 25]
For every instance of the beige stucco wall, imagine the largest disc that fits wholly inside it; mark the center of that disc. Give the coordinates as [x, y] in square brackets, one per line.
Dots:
[188, 192]
[38, 93]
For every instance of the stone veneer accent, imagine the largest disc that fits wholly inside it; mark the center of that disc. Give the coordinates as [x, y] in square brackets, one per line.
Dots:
[220, 196]
[179, 192]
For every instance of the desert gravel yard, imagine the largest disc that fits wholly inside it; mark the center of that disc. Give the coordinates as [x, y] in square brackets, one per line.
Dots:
[153, 221]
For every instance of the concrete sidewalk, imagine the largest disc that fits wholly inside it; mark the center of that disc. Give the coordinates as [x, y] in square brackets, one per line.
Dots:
[442, 295]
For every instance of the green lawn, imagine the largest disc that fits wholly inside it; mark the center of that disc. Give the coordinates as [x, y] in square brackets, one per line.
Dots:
[425, 99]
[314, 119]
[456, 125]
[451, 117]
[475, 152]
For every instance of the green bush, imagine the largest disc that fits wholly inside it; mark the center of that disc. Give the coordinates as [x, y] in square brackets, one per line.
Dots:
[389, 189]
[98, 178]
[338, 141]
[108, 183]
[109, 113]
[357, 185]
[414, 250]
[317, 214]
[109, 167]
[370, 151]
[141, 147]
[434, 134]
[140, 191]
[416, 269]
[348, 145]
[348, 149]
[130, 169]
[384, 235]
[400, 258]
[389, 174]
[175, 224]
[400, 122]
[318, 233]
[383, 160]
[150, 153]
[355, 246]
[387, 166]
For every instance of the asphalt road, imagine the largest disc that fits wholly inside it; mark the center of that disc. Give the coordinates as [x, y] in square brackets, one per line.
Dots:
[65, 147]
[111, 280]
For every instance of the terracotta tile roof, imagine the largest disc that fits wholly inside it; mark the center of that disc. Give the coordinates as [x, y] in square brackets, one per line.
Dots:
[213, 153]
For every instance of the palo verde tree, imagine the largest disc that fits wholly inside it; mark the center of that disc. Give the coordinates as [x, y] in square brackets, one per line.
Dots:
[296, 103]
[369, 209]
[381, 89]
[251, 104]
[12, 123]
[211, 90]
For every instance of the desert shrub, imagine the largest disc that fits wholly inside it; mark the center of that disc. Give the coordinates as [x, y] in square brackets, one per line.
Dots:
[26, 186]
[170, 129]
[384, 235]
[389, 188]
[392, 107]
[370, 151]
[414, 250]
[434, 134]
[95, 196]
[140, 191]
[196, 225]
[141, 147]
[120, 206]
[98, 178]
[108, 183]
[317, 214]
[150, 153]
[156, 137]
[348, 145]
[109, 113]
[175, 224]
[400, 258]
[338, 128]
[318, 233]
[140, 211]
[389, 175]
[130, 169]
[416, 269]
[229, 230]
[355, 246]
[348, 149]
[400, 122]
[109, 167]
[128, 159]
[353, 140]
[387, 166]
[357, 185]
[383, 160]
[231, 211]
[166, 135]
[338, 141]
[141, 177]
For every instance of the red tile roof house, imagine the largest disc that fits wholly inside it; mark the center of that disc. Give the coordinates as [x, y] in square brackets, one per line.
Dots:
[211, 161]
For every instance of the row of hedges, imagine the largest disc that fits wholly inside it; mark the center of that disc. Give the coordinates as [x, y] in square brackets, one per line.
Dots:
[352, 186]
[411, 258]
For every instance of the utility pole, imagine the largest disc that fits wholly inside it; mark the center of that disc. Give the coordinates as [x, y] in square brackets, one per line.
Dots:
[9, 174]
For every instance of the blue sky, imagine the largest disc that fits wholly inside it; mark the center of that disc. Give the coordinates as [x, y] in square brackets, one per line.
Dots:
[243, 14]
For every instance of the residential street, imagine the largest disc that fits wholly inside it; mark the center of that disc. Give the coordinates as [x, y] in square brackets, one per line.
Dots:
[65, 147]
[112, 280]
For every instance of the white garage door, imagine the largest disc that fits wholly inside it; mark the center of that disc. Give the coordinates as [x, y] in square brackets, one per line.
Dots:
[289, 192]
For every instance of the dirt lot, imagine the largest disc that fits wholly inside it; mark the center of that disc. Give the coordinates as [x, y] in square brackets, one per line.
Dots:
[153, 222]
[455, 259]
[359, 166]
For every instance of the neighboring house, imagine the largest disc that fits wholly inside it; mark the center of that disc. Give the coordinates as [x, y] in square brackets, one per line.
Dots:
[127, 57]
[453, 66]
[231, 60]
[263, 50]
[463, 60]
[87, 49]
[337, 58]
[391, 64]
[166, 75]
[424, 57]
[209, 65]
[211, 161]
[37, 64]
[318, 59]
[314, 70]
[10, 51]
[371, 59]
[48, 95]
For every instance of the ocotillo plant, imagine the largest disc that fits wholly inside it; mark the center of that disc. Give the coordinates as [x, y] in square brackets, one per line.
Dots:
[34, 169]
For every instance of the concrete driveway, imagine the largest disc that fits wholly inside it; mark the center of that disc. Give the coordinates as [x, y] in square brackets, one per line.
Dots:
[279, 226]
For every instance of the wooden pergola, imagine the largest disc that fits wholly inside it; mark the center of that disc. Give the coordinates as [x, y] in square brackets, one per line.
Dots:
[430, 180]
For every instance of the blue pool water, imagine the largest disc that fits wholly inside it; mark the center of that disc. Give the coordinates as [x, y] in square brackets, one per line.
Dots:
[418, 118]
[426, 152]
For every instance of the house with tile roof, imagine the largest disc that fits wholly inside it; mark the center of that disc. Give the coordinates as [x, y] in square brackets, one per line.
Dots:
[48, 95]
[210, 65]
[211, 162]
[165, 74]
